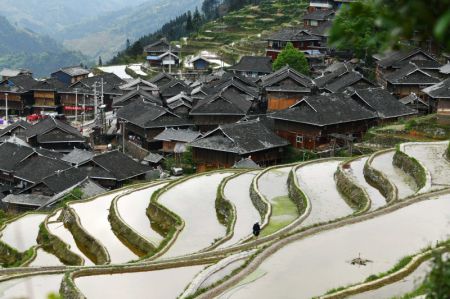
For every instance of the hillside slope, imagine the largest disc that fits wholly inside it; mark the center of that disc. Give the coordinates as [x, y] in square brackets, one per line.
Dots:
[26, 49]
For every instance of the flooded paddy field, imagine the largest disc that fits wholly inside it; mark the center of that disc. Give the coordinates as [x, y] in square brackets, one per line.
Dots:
[44, 258]
[33, 287]
[132, 208]
[404, 183]
[312, 266]
[94, 218]
[317, 181]
[22, 233]
[194, 201]
[356, 170]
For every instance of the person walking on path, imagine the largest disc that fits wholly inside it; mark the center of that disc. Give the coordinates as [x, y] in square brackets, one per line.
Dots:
[256, 229]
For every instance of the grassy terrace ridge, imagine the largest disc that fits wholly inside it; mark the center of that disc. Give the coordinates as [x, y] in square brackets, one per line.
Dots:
[242, 32]
[284, 212]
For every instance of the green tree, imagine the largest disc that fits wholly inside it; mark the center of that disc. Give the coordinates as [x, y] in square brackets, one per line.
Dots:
[355, 28]
[437, 284]
[292, 57]
[189, 22]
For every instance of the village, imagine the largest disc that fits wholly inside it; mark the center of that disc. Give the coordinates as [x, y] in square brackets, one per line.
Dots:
[163, 166]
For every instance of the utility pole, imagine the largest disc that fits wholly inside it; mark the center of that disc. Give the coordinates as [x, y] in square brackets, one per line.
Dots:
[170, 57]
[6, 107]
[76, 105]
[101, 96]
[84, 111]
[123, 136]
[95, 101]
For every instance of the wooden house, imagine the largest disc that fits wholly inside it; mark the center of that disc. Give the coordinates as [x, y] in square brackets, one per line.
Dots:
[388, 63]
[54, 134]
[46, 96]
[173, 88]
[176, 140]
[162, 53]
[228, 144]
[320, 5]
[180, 104]
[414, 102]
[136, 95]
[70, 75]
[340, 77]
[252, 66]
[284, 88]
[161, 79]
[317, 17]
[302, 39]
[144, 120]
[410, 78]
[6, 73]
[10, 156]
[18, 90]
[17, 128]
[223, 107]
[439, 95]
[142, 84]
[309, 123]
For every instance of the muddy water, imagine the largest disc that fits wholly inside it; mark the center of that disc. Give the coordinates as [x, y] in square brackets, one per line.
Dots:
[405, 184]
[317, 181]
[156, 284]
[44, 258]
[34, 287]
[132, 208]
[194, 201]
[94, 218]
[312, 266]
[356, 170]
[57, 228]
[237, 191]
[21, 234]
[432, 157]
[273, 183]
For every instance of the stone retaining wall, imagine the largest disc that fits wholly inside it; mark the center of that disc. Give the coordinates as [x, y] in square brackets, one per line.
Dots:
[379, 180]
[355, 195]
[89, 245]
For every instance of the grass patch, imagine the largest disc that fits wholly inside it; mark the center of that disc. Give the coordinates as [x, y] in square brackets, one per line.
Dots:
[284, 212]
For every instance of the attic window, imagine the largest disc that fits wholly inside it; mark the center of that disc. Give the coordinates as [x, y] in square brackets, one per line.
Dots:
[299, 139]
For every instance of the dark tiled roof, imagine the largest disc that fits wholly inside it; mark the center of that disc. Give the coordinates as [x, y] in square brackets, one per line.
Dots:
[77, 156]
[18, 124]
[136, 94]
[246, 163]
[12, 154]
[348, 79]
[182, 135]
[30, 200]
[332, 72]
[241, 138]
[382, 102]
[398, 58]
[319, 15]
[323, 110]
[149, 115]
[322, 29]
[74, 71]
[49, 124]
[64, 180]
[411, 99]
[411, 74]
[111, 83]
[222, 103]
[173, 88]
[51, 84]
[293, 35]
[274, 79]
[158, 46]
[233, 84]
[49, 153]
[139, 83]
[35, 168]
[161, 76]
[120, 165]
[18, 84]
[153, 158]
[259, 64]
[439, 91]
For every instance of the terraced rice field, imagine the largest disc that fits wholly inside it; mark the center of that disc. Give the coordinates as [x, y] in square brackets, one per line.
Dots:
[22, 233]
[356, 170]
[303, 268]
[313, 266]
[317, 181]
[273, 186]
[94, 218]
[237, 190]
[432, 157]
[202, 227]
[132, 209]
[404, 183]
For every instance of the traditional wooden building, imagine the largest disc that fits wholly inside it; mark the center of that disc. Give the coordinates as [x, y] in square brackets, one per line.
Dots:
[161, 52]
[221, 108]
[136, 95]
[173, 88]
[309, 123]
[414, 102]
[18, 90]
[176, 140]
[317, 17]
[388, 63]
[228, 144]
[46, 96]
[70, 75]
[144, 120]
[54, 134]
[180, 104]
[302, 39]
[161, 79]
[315, 5]
[140, 84]
[10, 156]
[439, 95]
[284, 88]
[410, 78]
[252, 66]
[17, 128]
[6, 73]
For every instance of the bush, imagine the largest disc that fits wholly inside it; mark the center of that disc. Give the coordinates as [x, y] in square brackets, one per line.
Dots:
[437, 284]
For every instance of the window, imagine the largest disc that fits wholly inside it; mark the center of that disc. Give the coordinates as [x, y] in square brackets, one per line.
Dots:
[299, 139]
